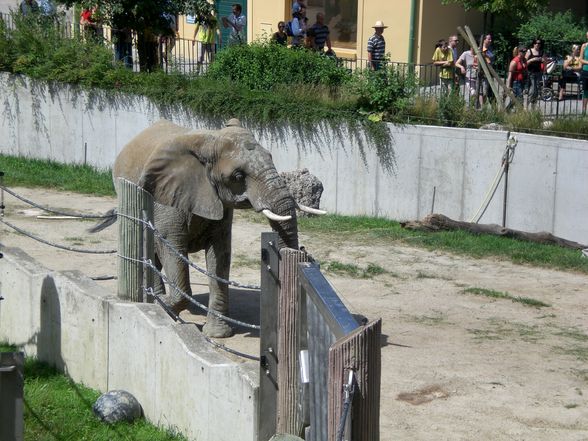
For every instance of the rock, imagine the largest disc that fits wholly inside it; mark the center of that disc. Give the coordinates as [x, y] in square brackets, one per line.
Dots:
[492, 126]
[547, 124]
[285, 437]
[117, 405]
[305, 187]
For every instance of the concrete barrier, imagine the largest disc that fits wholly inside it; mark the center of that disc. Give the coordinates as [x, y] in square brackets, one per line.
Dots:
[548, 180]
[69, 321]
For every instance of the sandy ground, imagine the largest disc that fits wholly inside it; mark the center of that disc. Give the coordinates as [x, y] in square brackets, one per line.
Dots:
[456, 366]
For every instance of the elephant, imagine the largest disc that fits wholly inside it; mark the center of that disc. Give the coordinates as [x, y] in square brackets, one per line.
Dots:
[197, 178]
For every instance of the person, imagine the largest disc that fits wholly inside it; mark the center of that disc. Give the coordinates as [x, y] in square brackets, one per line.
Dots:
[28, 7]
[280, 36]
[517, 72]
[443, 58]
[89, 23]
[536, 61]
[320, 32]
[298, 26]
[376, 46]
[571, 70]
[236, 21]
[584, 62]
[167, 38]
[467, 65]
[489, 57]
[453, 40]
[205, 33]
[123, 46]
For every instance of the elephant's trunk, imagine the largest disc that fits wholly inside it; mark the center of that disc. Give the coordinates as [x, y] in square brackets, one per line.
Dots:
[287, 230]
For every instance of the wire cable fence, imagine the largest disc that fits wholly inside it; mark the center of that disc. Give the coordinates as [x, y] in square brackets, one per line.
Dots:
[146, 263]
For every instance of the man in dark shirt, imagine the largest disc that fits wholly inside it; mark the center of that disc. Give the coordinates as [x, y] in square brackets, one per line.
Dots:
[376, 47]
[320, 33]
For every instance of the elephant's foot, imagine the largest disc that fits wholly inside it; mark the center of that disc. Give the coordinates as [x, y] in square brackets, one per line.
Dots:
[216, 328]
[175, 305]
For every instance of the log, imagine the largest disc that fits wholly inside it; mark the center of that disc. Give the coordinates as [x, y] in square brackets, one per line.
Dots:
[438, 222]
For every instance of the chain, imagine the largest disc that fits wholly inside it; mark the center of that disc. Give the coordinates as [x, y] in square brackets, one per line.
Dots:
[349, 391]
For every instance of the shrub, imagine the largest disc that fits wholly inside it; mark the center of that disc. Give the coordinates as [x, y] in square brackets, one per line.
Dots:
[386, 90]
[263, 66]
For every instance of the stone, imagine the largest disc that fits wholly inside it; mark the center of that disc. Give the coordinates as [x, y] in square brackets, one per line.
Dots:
[305, 187]
[492, 126]
[285, 437]
[117, 405]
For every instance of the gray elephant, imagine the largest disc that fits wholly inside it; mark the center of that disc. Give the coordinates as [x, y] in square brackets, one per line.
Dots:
[197, 178]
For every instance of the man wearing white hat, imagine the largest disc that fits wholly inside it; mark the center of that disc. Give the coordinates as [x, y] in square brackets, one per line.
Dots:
[376, 46]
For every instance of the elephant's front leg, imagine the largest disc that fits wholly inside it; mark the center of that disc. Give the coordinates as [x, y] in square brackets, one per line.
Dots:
[218, 262]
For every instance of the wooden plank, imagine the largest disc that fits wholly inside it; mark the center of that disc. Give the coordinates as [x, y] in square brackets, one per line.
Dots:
[290, 416]
[133, 203]
[360, 352]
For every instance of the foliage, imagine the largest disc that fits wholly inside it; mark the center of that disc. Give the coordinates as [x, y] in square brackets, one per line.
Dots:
[559, 30]
[386, 90]
[516, 8]
[263, 65]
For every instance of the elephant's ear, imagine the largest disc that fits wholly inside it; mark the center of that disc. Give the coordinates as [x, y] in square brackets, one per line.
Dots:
[176, 174]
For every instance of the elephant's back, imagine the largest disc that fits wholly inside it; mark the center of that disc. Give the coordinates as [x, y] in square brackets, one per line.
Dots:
[131, 160]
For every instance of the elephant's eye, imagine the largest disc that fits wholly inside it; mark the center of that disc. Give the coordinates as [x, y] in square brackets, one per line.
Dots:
[238, 175]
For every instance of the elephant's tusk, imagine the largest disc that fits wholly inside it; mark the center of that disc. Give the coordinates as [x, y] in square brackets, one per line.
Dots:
[275, 217]
[311, 210]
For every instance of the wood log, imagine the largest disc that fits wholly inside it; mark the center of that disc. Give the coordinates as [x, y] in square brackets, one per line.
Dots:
[438, 222]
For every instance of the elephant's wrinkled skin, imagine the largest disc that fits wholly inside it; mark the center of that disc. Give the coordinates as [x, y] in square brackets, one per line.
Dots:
[197, 178]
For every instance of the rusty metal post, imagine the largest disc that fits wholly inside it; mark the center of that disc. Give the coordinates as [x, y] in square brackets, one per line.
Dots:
[12, 396]
[268, 336]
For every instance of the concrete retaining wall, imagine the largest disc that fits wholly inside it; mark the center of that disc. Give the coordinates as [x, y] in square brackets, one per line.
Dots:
[182, 382]
[548, 183]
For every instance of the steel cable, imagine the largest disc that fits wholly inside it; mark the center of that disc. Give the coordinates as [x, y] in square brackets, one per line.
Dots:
[179, 319]
[63, 247]
[50, 210]
[185, 259]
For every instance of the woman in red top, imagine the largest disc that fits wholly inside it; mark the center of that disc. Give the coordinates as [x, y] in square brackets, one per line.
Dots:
[517, 72]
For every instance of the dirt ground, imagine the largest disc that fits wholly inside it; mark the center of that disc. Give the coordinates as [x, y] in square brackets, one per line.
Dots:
[456, 366]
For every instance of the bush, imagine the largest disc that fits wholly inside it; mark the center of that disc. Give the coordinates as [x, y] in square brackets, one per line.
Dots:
[386, 90]
[263, 66]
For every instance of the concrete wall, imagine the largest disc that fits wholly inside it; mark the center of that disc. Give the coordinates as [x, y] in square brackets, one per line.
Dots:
[548, 181]
[182, 382]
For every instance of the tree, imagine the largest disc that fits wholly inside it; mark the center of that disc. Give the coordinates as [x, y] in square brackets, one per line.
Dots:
[559, 30]
[148, 18]
[516, 8]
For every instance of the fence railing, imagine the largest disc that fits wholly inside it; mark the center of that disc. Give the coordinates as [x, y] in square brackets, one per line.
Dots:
[172, 54]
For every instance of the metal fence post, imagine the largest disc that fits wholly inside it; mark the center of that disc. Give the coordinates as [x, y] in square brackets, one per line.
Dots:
[133, 203]
[268, 337]
[11, 398]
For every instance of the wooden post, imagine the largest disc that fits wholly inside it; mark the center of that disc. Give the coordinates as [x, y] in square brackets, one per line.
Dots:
[360, 352]
[133, 203]
[290, 405]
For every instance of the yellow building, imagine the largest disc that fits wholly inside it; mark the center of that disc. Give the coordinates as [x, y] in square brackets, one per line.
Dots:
[414, 26]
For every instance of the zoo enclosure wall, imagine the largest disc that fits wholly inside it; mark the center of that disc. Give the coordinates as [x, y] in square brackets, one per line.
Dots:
[548, 179]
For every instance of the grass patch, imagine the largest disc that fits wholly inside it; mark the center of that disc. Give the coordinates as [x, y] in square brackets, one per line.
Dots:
[504, 295]
[58, 409]
[28, 172]
[351, 270]
[502, 330]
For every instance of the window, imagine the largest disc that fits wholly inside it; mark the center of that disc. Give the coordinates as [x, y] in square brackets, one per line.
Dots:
[340, 17]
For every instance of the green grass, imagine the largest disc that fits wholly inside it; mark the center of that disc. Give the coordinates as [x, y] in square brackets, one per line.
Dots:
[84, 179]
[49, 174]
[351, 270]
[58, 409]
[504, 295]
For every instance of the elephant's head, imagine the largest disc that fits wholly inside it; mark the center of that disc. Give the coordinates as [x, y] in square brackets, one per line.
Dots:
[206, 172]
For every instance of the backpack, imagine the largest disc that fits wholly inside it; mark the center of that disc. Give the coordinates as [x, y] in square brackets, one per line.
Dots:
[289, 32]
